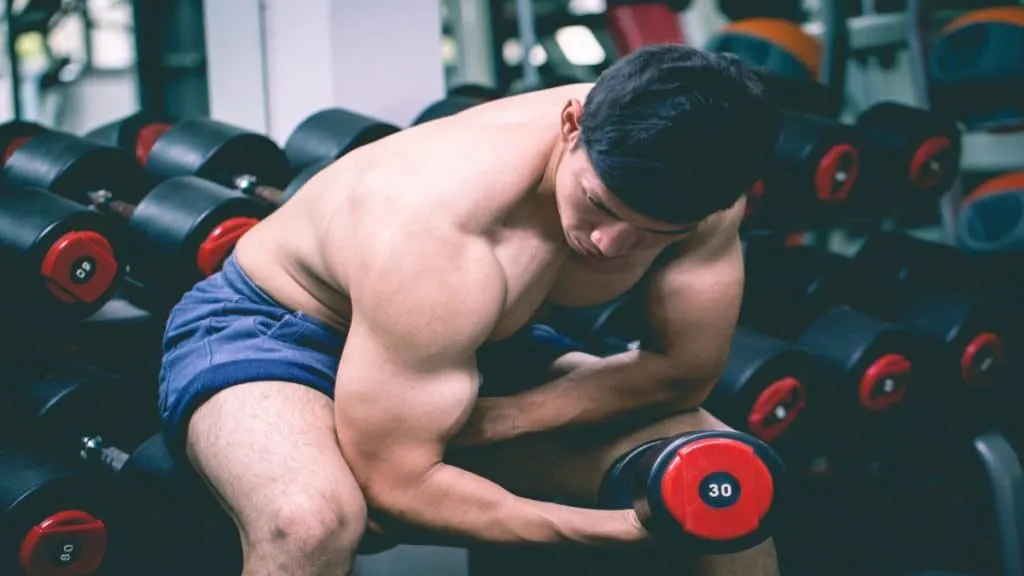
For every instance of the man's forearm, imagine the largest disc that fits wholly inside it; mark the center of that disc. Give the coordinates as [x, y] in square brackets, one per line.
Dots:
[462, 506]
[598, 391]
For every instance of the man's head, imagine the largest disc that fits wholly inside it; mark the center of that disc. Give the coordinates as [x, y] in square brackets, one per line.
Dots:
[667, 137]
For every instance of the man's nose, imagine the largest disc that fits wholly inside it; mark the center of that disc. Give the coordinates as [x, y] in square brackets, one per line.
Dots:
[614, 239]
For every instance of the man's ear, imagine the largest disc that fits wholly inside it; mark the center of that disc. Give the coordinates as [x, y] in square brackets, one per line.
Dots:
[571, 114]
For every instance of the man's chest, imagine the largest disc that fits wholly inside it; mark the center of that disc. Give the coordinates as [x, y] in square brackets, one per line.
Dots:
[550, 278]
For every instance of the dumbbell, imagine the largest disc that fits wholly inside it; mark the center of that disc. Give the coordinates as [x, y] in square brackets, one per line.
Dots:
[61, 260]
[996, 277]
[180, 231]
[764, 390]
[874, 363]
[53, 517]
[910, 156]
[816, 163]
[969, 358]
[964, 326]
[457, 100]
[162, 512]
[252, 163]
[51, 409]
[330, 134]
[710, 491]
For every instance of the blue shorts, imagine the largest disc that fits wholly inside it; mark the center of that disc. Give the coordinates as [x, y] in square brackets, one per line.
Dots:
[227, 331]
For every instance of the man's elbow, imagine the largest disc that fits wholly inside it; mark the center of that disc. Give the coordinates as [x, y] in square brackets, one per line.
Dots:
[692, 383]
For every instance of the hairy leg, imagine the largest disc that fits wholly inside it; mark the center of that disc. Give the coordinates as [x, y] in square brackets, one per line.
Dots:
[269, 453]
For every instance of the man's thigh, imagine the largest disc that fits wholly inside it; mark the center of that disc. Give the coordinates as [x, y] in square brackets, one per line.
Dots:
[269, 450]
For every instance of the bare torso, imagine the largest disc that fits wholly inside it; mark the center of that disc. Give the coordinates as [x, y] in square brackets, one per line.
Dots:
[478, 171]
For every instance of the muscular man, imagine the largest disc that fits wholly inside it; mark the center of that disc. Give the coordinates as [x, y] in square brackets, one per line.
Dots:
[330, 372]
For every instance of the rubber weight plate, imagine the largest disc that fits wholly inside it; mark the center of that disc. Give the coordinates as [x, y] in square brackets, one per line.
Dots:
[976, 69]
[991, 216]
[772, 44]
[330, 134]
[300, 180]
[14, 134]
[449, 106]
[910, 150]
[218, 152]
[74, 167]
[135, 133]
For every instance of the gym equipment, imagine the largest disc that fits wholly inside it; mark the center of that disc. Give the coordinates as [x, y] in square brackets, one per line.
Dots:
[227, 155]
[997, 277]
[910, 157]
[774, 44]
[965, 332]
[448, 106]
[52, 519]
[332, 133]
[162, 512]
[789, 10]
[712, 491]
[873, 363]
[179, 232]
[975, 73]
[979, 482]
[135, 133]
[52, 409]
[766, 388]
[790, 62]
[815, 166]
[61, 260]
[991, 216]
[302, 177]
[633, 24]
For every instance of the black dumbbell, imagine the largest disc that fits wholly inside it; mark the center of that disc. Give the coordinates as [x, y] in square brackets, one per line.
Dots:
[711, 491]
[773, 391]
[61, 260]
[330, 134]
[162, 512]
[252, 163]
[53, 517]
[816, 163]
[998, 277]
[965, 327]
[51, 409]
[180, 231]
[874, 362]
[765, 387]
[456, 101]
[910, 156]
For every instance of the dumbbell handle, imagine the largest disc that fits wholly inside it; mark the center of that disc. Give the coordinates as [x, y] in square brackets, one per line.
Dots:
[94, 451]
[250, 185]
[104, 200]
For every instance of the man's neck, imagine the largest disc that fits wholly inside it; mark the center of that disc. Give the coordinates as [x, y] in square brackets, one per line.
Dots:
[547, 181]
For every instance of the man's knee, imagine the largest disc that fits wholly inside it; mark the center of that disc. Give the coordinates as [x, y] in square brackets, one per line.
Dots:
[309, 525]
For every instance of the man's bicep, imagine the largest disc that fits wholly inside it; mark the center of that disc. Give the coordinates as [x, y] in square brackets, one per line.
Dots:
[407, 377]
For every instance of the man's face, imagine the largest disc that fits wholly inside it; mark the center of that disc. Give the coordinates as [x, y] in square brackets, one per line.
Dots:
[596, 224]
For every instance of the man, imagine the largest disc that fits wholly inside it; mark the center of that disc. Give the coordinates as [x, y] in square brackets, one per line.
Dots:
[380, 281]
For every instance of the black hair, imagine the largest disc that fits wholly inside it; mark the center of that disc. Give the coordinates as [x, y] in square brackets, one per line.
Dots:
[677, 133]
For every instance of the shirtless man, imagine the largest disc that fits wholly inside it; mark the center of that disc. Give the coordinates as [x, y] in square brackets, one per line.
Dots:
[378, 283]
